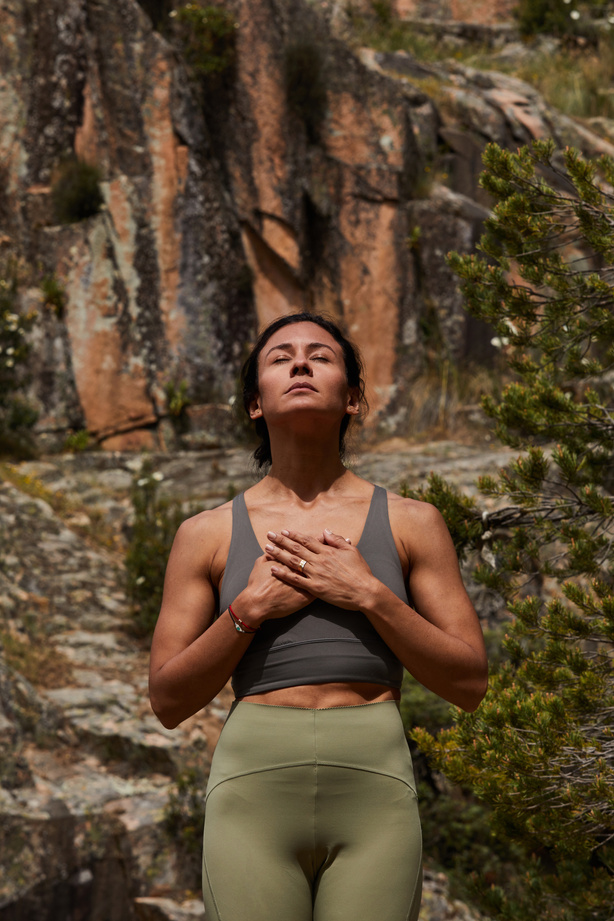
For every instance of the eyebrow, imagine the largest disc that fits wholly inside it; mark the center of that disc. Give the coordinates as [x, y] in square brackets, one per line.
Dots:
[288, 346]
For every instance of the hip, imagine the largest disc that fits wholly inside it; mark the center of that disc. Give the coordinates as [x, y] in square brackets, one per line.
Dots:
[258, 737]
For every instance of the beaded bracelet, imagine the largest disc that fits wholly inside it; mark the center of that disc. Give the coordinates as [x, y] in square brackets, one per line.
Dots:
[240, 626]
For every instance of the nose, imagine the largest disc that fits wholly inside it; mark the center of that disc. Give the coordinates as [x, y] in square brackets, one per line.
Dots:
[300, 365]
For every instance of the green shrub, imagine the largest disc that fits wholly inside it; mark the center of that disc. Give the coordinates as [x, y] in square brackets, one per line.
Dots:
[177, 402]
[383, 11]
[54, 294]
[184, 820]
[158, 11]
[155, 522]
[207, 35]
[75, 192]
[17, 415]
[305, 84]
[77, 441]
[553, 17]
[184, 815]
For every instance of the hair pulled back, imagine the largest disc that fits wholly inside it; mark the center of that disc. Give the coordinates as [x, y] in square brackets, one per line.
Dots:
[249, 377]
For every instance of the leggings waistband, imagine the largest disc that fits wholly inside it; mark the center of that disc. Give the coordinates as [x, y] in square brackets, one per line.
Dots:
[259, 737]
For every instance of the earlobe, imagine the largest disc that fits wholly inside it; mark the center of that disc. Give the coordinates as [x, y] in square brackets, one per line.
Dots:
[353, 407]
[254, 410]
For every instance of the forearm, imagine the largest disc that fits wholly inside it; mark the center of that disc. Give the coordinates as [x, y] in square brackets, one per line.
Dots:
[189, 680]
[446, 664]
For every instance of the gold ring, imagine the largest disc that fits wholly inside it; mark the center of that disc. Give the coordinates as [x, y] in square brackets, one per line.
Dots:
[302, 565]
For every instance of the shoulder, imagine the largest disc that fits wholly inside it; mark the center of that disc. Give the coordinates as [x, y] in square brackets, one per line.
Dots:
[412, 511]
[205, 536]
[419, 527]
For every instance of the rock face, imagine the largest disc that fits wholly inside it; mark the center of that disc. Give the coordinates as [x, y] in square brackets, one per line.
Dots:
[485, 12]
[208, 188]
[307, 175]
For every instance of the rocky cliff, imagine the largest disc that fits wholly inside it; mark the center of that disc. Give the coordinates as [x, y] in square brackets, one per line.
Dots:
[232, 198]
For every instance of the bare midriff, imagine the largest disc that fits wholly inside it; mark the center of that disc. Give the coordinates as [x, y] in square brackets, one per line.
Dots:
[323, 696]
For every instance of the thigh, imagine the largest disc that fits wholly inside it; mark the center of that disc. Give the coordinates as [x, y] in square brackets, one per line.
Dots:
[257, 847]
[374, 868]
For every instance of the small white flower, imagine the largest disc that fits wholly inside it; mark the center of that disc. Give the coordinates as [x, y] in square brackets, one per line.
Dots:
[499, 341]
[157, 476]
[142, 482]
[574, 14]
[9, 362]
[140, 580]
[10, 351]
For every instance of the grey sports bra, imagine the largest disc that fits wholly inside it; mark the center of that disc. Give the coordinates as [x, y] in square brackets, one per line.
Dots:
[320, 643]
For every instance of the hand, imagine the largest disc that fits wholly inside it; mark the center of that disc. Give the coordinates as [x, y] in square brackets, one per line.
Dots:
[267, 598]
[334, 570]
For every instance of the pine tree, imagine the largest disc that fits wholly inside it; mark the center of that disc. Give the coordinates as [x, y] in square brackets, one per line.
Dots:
[540, 749]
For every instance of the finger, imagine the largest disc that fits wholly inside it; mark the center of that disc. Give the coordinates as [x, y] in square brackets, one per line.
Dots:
[293, 561]
[335, 540]
[290, 577]
[304, 541]
[298, 544]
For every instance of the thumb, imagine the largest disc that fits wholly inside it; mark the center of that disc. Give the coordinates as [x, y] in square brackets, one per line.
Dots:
[335, 540]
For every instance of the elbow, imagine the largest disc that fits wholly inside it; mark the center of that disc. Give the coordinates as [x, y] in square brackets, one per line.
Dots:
[165, 711]
[475, 694]
[168, 719]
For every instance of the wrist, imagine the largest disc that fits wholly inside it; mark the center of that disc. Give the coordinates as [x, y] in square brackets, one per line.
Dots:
[246, 608]
[371, 596]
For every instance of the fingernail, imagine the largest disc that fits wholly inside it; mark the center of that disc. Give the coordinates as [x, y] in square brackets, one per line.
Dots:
[285, 533]
[328, 530]
[271, 534]
[269, 548]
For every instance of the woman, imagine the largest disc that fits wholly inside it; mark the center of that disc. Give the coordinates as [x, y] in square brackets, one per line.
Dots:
[300, 590]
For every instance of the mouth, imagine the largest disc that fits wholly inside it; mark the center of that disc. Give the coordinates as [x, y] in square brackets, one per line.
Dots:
[302, 385]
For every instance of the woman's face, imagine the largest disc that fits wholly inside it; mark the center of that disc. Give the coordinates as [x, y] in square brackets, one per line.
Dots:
[301, 371]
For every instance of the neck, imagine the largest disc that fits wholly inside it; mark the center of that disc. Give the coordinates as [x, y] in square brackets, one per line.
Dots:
[305, 466]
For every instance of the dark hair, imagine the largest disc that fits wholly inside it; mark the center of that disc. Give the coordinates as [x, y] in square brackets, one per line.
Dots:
[249, 376]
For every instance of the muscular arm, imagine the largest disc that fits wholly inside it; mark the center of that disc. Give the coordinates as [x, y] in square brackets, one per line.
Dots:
[192, 654]
[440, 642]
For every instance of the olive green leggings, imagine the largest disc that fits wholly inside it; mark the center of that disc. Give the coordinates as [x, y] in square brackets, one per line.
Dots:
[311, 815]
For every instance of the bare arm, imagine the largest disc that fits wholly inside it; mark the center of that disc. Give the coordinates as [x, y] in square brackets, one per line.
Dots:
[440, 643]
[193, 654]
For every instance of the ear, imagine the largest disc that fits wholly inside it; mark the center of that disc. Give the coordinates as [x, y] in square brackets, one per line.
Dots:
[353, 405]
[255, 410]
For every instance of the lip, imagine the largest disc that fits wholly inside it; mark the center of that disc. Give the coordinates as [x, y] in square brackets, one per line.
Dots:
[301, 385]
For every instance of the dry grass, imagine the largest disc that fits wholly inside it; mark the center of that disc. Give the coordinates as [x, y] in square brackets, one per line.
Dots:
[96, 530]
[36, 659]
